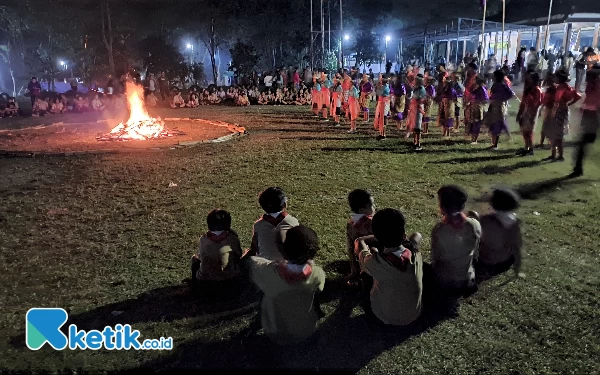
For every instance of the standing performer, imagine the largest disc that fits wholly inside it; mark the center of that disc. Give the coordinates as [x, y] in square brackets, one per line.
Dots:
[366, 88]
[415, 119]
[446, 104]
[336, 100]
[353, 107]
[346, 86]
[427, 105]
[496, 115]
[475, 111]
[459, 90]
[590, 118]
[316, 96]
[556, 121]
[383, 94]
[325, 95]
[470, 85]
[529, 111]
[399, 102]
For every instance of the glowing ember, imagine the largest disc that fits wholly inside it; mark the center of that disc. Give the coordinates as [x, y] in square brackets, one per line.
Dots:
[140, 125]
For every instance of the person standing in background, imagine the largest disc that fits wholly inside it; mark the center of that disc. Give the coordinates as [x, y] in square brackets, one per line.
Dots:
[163, 86]
[580, 71]
[35, 89]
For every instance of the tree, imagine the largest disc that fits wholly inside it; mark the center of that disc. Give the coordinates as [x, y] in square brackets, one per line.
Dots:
[243, 57]
[160, 55]
[366, 49]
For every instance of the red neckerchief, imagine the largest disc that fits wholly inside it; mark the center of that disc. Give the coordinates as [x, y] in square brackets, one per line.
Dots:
[362, 222]
[274, 220]
[456, 221]
[398, 262]
[293, 277]
[217, 238]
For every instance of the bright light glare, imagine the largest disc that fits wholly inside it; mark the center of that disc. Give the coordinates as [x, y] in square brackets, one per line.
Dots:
[189, 45]
[62, 63]
[346, 37]
[388, 38]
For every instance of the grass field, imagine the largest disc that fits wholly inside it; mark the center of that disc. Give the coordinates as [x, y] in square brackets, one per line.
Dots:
[104, 237]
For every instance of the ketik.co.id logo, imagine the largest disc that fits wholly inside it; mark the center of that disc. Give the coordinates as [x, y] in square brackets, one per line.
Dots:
[42, 325]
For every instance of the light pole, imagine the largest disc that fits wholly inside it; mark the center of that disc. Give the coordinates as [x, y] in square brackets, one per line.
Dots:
[346, 38]
[387, 39]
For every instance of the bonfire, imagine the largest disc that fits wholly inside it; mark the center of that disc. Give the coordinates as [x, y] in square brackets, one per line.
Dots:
[139, 126]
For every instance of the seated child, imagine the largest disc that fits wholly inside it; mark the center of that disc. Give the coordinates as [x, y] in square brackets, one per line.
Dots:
[57, 107]
[193, 101]
[501, 241]
[454, 241]
[262, 99]
[358, 225]
[242, 100]
[288, 310]
[40, 107]
[268, 232]
[81, 104]
[97, 104]
[151, 100]
[216, 263]
[177, 101]
[395, 271]
[12, 108]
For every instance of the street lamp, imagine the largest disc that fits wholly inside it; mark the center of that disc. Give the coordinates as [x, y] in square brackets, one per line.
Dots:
[346, 37]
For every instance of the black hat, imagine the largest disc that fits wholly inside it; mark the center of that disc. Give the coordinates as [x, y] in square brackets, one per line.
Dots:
[473, 65]
[590, 50]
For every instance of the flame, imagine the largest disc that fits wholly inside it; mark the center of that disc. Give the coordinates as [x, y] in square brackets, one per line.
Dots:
[140, 125]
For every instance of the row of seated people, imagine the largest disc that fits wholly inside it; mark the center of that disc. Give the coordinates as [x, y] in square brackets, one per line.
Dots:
[206, 97]
[385, 263]
[80, 103]
[285, 97]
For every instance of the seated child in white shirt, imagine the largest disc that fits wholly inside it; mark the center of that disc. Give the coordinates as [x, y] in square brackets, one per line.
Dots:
[289, 313]
[268, 232]
[216, 263]
[501, 241]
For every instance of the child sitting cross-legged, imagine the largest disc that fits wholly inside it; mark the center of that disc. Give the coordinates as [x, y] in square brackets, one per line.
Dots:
[177, 100]
[269, 231]
[501, 241]
[454, 242]
[393, 270]
[289, 313]
[359, 225]
[216, 264]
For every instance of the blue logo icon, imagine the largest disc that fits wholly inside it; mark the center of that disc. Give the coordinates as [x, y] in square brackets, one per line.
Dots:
[42, 325]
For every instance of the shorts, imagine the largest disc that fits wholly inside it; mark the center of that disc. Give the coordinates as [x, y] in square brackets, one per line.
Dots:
[315, 106]
[338, 111]
[417, 130]
[324, 106]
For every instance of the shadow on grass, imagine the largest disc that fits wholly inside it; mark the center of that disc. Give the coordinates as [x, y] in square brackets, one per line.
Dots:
[536, 190]
[344, 341]
[509, 154]
[162, 305]
[499, 169]
[399, 148]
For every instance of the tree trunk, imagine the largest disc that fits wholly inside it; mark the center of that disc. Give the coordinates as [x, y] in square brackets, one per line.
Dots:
[12, 76]
[107, 29]
[213, 47]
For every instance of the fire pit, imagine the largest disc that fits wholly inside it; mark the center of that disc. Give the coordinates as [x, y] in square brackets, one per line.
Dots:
[140, 125]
